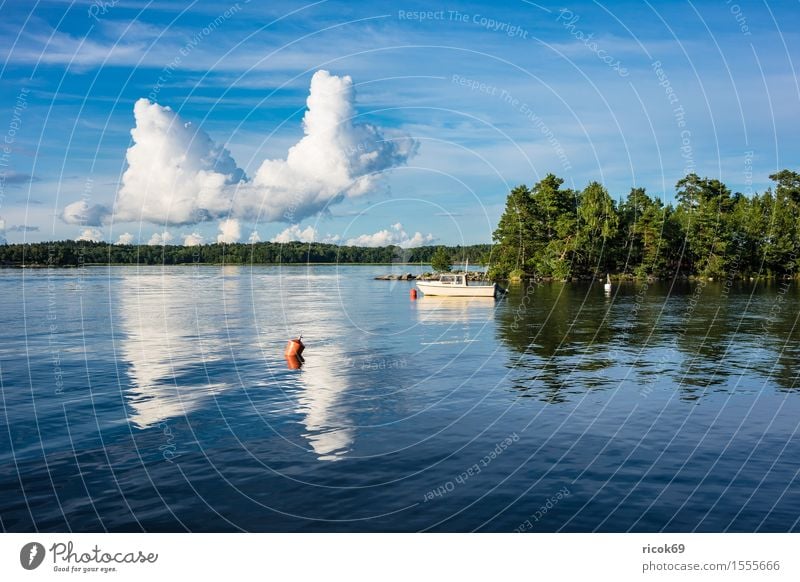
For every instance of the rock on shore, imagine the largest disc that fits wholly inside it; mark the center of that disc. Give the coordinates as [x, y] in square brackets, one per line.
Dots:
[472, 276]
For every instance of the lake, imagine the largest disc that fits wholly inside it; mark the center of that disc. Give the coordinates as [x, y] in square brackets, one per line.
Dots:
[158, 399]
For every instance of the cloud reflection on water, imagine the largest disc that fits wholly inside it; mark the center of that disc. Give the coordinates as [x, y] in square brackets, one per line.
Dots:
[167, 343]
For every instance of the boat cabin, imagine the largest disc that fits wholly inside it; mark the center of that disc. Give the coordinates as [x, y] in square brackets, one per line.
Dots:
[452, 280]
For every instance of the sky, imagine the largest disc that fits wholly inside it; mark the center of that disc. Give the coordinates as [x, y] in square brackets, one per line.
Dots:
[374, 122]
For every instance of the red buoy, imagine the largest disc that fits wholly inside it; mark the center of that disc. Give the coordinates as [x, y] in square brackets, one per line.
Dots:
[294, 363]
[295, 347]
[413, 293]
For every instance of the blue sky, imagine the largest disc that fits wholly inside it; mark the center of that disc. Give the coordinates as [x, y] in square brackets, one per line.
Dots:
[495, 94]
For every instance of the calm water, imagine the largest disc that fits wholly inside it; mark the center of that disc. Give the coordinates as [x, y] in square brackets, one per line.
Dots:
[158, 399]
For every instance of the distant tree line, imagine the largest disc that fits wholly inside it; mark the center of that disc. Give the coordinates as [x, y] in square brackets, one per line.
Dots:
[549, 231]
[70, 253]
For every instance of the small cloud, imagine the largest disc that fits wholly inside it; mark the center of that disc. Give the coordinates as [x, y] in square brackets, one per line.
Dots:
[448, 214]
[306, 235]
[417, 240]
[23, 228]
[229, 231]
[91, 235]
[125, 238]
[193, 240]
[81, 213]
[395, 235]
[350, 213]
[295, 233]
[160, 239]
[12, 178]
[254, 237]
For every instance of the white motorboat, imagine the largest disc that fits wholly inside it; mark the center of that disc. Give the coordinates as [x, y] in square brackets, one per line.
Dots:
[456, 285]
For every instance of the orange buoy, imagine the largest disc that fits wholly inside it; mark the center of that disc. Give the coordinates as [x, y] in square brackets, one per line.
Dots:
[294, 348]
[294, 362]
[413, 293]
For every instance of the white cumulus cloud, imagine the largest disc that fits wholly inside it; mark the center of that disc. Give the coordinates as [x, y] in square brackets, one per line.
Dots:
[192, 240]
[417, 240]
[160, 239]
[295, 233]
[178, 175]
[254, 237]
[309, 234]
[229, 231]
[395, 235]
[91, 235]
[125, 238]
[336, 158]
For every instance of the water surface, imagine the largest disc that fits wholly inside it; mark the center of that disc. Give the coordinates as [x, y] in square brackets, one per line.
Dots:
[158, 399]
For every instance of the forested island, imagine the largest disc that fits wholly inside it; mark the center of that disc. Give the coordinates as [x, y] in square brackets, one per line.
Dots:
[546, 232]
[70, 253]
[552, 232]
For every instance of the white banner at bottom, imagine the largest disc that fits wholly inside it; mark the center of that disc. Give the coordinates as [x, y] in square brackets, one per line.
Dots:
[355, 557]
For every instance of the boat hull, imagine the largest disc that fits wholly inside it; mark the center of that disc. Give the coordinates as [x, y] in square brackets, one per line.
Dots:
[457, 290]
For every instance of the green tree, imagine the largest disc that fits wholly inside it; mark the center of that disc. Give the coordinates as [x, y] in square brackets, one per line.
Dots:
[554, 230]
[704, 207]
[647, 235]
[781, 242]
[513, 235]
[598, 223]
[750, 222]
[440, 261]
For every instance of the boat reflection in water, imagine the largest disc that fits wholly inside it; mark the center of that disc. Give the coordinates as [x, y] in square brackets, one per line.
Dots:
[435, 309]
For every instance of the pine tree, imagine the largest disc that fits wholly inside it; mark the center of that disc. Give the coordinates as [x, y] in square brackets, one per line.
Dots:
[441, 260]
[598, 223]
[513, 236]
[554, 230]
[704, 214]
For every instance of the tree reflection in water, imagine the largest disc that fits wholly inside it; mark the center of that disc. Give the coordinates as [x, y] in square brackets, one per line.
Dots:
[693, 337]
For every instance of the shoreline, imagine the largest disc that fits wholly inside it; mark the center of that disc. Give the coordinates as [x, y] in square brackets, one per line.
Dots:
[427, 275]
[201, 264]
